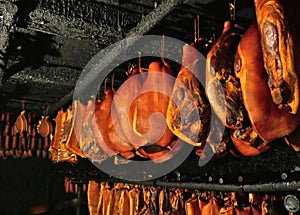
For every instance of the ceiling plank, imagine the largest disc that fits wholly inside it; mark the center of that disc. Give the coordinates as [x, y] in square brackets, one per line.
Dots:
[8, 11]
[142, 27]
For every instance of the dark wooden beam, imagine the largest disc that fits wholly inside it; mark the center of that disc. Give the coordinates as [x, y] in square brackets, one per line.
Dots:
[142, 27]
[8, 12]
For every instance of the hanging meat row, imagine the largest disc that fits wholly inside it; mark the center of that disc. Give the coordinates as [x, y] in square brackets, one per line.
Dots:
[20, 137]
[106, 199]
[253, 96]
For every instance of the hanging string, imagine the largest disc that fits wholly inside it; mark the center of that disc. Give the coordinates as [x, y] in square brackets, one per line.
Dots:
[232, 10]
[46, 109]
[112, 81]
[98, 94]
[23, 104]
[195, 30]
[105, 83]
[140, 61]
[162, 48]
[198, 28]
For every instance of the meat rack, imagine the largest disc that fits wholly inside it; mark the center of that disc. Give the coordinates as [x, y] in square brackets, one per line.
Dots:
[283, 180]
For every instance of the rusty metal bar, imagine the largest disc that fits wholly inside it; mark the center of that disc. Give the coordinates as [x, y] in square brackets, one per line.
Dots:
[293, 186]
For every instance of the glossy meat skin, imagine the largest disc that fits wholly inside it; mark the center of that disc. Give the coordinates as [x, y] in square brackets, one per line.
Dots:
[108, 139]
[58, 129]
[78, 112]
[93, 197]
[222, 87]
[151, 106]
[280, 44]
[188, 115]
[123, 107]
[267, 120]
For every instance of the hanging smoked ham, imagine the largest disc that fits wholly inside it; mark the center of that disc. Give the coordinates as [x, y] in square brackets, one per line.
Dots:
[78, 112]
[93, 193]
[134, 200]
[87, 140]
[21, 122]
[57, 135]
[44, 127]
[107, 137]
[164, 203]
[118, 143]
[222, 87]
[123, 106]
[225, 93]
[192, 206]
[176, 201]
[267, 120]
[280, 45]
[149, 113]
[152, 103]
[210, 207]
[188, 114]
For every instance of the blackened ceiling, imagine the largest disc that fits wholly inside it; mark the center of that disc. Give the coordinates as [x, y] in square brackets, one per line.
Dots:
[45, 44]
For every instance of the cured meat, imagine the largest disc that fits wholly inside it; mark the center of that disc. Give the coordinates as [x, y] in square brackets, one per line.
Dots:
[87, 139]
[110, 203]
[124, 202]
[176, 202]
[222, 87]
[192, 206]
[227, 208]
[149, 206]
[274, 206]
[124, 105]
[152, 103]
[100, 128]
[93, 197]
[108, 139]
[211, 207]
[58, 130]
[247, 141]
[293, 139]
[188, 115]
[44, 127]
[107, 193]
[268, 122]
[76, 128]
[280, 41]
[21, 122]
[218, 138]
[164, 204]
[134, 197]
[117, 142]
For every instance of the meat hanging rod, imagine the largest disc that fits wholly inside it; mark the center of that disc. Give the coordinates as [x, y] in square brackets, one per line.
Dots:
[251, 188]
[142, 27]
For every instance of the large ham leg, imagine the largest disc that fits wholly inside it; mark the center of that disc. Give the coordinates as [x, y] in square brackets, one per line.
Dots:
[222, 87]
[87, 139]
[110, 141]
[124, 105]
[279, 39]
[188, 115]
[267, 120]
[76, 129]
[151, 106]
